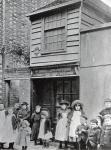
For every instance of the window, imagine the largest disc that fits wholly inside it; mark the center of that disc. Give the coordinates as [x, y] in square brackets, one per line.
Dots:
[67, 89]
[54, 33]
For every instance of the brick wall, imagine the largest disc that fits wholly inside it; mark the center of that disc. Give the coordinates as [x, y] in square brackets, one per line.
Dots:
[17, 26]
[16, 86]
[1, 40]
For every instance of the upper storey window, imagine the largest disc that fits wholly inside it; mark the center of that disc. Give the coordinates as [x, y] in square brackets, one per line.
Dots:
[54, 33]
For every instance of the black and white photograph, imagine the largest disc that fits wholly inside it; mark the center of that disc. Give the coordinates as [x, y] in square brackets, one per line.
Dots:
[55, 74]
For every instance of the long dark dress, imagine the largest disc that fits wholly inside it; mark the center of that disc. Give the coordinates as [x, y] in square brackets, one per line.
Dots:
[35, 119]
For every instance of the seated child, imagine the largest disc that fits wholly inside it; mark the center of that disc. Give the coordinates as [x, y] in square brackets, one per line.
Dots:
[45, 133]
[23, 133]
[94, 133]
[82, 132]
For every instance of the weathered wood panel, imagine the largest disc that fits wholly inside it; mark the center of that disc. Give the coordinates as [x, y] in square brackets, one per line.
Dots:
[72, 43]
[73, 38]
[36, 35]
[73, 25]
[75, 49]
[72, 32]
[34, 47]
[71, 52]
[54, 59]
[36, 41]
[90, 17]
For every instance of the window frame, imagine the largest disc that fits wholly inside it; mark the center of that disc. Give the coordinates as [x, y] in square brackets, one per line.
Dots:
[46, 52]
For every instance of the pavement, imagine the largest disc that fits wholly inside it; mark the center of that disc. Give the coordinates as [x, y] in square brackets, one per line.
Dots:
[52, 146]
[31, 146]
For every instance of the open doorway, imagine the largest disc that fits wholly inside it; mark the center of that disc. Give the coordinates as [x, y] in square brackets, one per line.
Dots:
[49, 92]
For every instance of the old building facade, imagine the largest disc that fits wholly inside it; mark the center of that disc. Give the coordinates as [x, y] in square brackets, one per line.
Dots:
[55, 49]
[52, 35]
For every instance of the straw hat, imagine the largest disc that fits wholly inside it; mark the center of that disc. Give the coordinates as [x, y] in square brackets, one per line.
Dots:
[75, 102]
[45, 112]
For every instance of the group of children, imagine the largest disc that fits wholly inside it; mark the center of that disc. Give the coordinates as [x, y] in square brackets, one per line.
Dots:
[72, 126]
[14, 126]
[41, 126]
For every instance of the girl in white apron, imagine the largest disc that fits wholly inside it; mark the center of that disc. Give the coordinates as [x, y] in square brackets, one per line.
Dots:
[61, 133]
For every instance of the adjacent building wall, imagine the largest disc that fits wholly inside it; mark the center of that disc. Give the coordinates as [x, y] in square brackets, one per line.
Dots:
[95, 72]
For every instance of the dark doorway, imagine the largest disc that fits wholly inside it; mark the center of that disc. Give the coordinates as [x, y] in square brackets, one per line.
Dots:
[49, 92]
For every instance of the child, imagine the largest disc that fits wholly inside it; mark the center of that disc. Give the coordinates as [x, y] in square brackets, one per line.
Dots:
[2, 117]
[82, 132]
[61, 133]
[35, 119]
[106, 127]
[74, 120]
[45, 128]
[24, 112]
[10, 126]
[24, 131]
[94, 133]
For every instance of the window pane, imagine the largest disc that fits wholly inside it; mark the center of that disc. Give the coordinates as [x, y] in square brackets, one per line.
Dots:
[54, 39]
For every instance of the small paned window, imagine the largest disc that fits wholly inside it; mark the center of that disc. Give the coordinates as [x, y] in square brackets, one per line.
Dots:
[54, 33]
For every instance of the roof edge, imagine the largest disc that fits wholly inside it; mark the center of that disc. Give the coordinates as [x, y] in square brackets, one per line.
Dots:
[45, 10]
[98, 4]
[97, 27]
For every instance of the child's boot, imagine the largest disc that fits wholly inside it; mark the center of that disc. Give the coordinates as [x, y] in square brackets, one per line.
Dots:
[41, 142]
[60, 145]
[65, 144]
[47, 144]
[11, 145]
[25, 147]
[35, 142]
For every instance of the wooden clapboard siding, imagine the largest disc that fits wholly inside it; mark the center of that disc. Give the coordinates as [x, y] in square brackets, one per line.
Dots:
[55, 59]
[73, 38]
[90, 17]
[71, 52]
[36, 35]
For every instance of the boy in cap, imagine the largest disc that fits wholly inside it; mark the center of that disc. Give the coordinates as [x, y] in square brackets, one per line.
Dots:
[106, 127]
[35, 120]
[94, 133]
[82, 132]
[24, 112]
